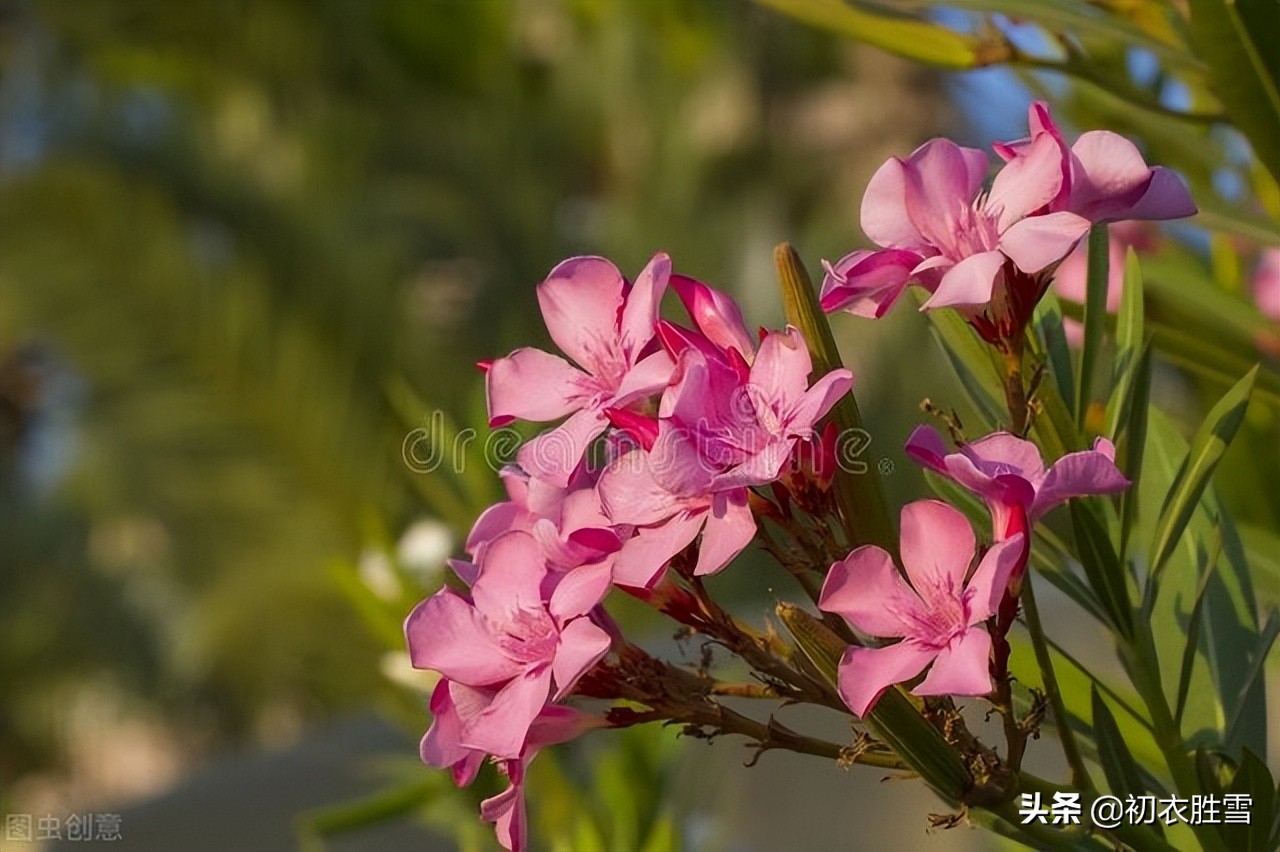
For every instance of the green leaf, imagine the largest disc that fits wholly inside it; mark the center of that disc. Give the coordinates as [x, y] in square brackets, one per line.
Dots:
[1122, 772]
[1253, 680]
[1231, 622]
[973, 362]
[1254, 780]
[1225, 34]
[1102, 567]
[378, 807]
[1207, 448]
[1129, 341]
[861, 495]
[1133, 443]
[907, 37]
[1191, 647]
[1048, 322]
[1095, 317]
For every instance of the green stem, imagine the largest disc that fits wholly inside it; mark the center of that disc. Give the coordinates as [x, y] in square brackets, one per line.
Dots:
[1070, 748]
[1143, 664]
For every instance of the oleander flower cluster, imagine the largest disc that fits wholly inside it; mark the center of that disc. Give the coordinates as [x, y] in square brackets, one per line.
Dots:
[673, 446]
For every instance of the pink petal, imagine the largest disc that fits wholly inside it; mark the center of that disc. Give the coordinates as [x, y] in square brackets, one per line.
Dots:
[1166, 197]
[884, 208]
[510, 577]
[555, 454]
[1038, 242]
[579, 590]
[642, 558]
[582, 644]
[961, 668]
[926, 448]
[715, 314]
[704, 390]
[506, 811]
[446, 634]
[500, 729]
[1110, 179]
[817, 401]
[441, 747]
[781, 370]
[867, 591]
[865, 673]
[630, 495]
[1077, 475]
[762, 467]
[493, 521]
[988, 583]
[1026, 183]
[641, 428]
[969, 283]
[678, 466]
[937, 546]
[729, 528]
[559, 724]
[640, 311]
[646, 378]
[530, 384]
[466, 571]
[1005, 451]
[942, 179]
[581, 300]
[867, 283]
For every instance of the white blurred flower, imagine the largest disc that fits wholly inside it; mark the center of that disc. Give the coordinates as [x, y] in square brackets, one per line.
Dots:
[378, 575]
[423, 549]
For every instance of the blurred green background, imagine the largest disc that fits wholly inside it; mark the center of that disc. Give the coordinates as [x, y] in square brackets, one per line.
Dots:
[246, 248]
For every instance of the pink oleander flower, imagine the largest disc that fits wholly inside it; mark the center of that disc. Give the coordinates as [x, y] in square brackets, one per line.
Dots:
[1071, 281]
[523, 634]
[1266, 284]
[937, 227]
[453, 707]
[1104, 177]
[567, 522]
[717, 435]
[606, 326]
[992, 254]
[938, 616]
[1009, 474]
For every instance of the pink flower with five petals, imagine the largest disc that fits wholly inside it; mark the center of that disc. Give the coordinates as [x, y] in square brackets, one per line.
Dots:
[938, 616]
[522, 633]
[717, 436]
[937, 227]
[606, 326]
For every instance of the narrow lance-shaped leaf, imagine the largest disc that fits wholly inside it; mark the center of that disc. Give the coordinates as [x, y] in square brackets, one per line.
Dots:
[1208, 561]
[1048, 322]
[1133, 444]
[1102, 567]
[861, 497]
[1258, 662]
[1233, 629]
[1122, 772]
[1129, 341]
[1207, 448]
[1095, 317]
[1226, 33]
[1254, 780]
[914, 39]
